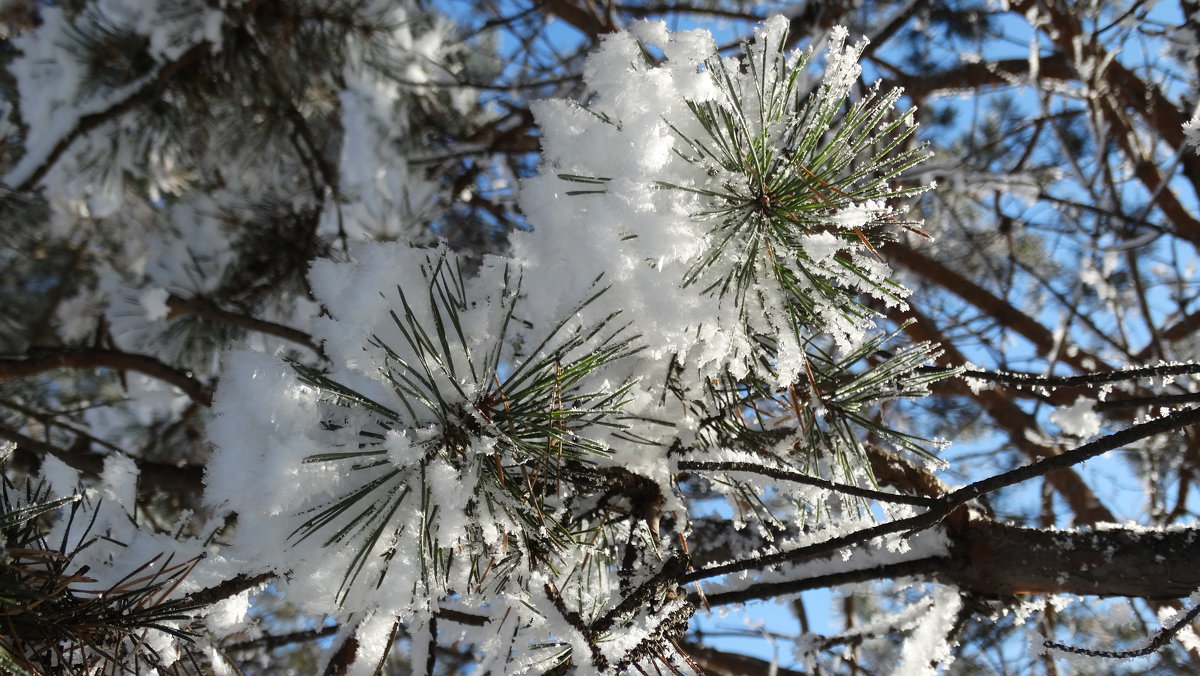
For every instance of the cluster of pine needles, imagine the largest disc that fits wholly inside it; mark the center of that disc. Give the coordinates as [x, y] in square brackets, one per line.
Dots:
[53, 617]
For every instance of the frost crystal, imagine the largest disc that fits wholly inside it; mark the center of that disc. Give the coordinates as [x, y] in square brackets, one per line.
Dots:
[1078, 419]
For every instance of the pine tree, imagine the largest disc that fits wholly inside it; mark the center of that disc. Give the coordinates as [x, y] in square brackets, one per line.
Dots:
[344, 359]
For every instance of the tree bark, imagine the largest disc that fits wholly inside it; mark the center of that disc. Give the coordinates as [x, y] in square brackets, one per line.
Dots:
[995, 560]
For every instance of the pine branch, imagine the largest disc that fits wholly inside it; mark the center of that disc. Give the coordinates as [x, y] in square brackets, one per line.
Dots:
[949, 503]
[805, 479]
[207, 309]
[1092, 379]
[40, 360]
[32, 168]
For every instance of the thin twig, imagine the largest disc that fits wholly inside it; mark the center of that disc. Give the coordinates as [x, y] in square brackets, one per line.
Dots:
[1154, 644]
[1087, 379]
[807, 480]
[207, 309]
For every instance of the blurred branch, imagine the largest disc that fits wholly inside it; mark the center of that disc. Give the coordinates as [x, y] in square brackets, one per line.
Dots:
[814, 17]
[890, 469]
[42, 360]
[586, 16]
[1120, 85]
[207, 309]
[977, 75]
[715, 661]
[985, 301]
[662, 8]
[184, 483]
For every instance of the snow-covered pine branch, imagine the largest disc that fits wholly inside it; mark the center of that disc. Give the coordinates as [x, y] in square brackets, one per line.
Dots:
[505, 441]
[350, 336]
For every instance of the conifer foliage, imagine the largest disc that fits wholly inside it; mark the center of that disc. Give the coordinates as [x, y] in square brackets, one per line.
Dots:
[489, 465]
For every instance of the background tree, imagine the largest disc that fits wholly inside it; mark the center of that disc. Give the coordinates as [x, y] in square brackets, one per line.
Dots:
[173, 171]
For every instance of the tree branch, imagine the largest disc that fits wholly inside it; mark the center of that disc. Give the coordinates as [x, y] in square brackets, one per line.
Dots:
[228, 588]
[584, 15]
[1004, 72]
[272, 641]
[206, 309]
[185, 483]
[805, 479]
[996, 560]
[83, 358]
[1000, 407]
[951, 502]
[1085, 380]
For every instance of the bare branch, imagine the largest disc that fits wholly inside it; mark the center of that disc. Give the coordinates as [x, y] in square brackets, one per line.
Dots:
[42, 360]
[1160, 639]
[805, 479]
[952, 501]
[979, 74]
[996, 560]
[206, 309]
[985, 301]
[1088, 379]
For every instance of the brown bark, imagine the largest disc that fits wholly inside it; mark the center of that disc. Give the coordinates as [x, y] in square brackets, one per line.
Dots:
[47, 360]
[994, 560]
[997, 560]
[1001, 73]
